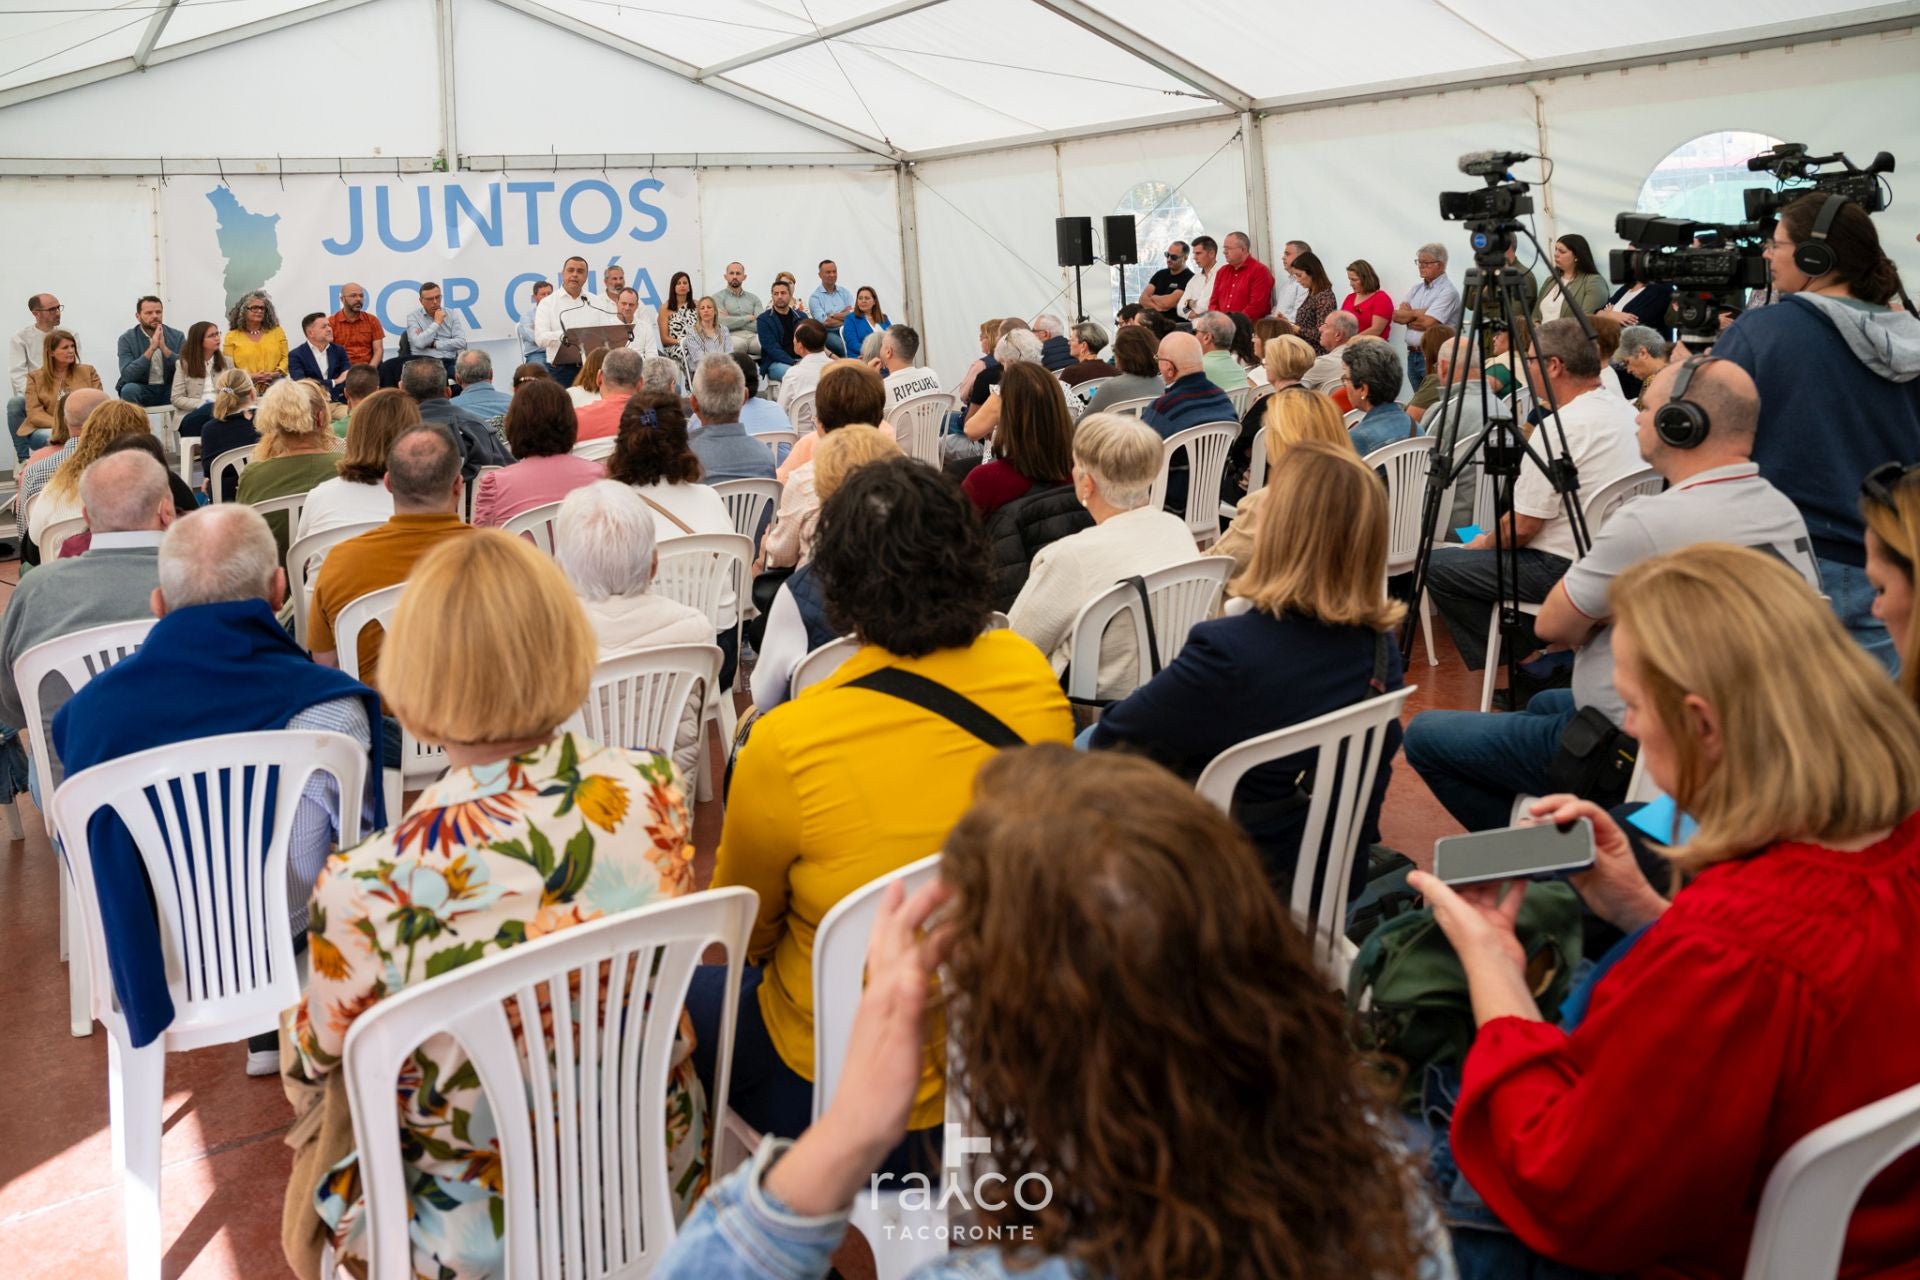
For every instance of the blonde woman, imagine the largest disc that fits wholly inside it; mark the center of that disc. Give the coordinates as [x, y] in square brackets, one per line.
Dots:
[297, 450]
[586, 384]
[1775, 991]
[797, 620]
[707, 337]
[60, 500]
[1292, 415]
[230, 424]
[1317, 639]
[1890, 502]
[1284, 360]
[475, 607]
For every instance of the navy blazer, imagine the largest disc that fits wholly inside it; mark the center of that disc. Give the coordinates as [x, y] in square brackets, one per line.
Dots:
[1237, 678]
[300, 365]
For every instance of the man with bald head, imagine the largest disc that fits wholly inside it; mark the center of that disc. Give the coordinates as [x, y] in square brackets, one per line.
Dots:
[128, 506]
[1191, 399]
[216, 662]
[79, 407]
[356, 329]
[1477, 763]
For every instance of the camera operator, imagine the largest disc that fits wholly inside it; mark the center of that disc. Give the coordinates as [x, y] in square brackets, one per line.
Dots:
[1838, 371]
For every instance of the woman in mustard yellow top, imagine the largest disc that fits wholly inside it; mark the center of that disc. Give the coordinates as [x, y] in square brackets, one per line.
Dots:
[255, 341]
[844, 783]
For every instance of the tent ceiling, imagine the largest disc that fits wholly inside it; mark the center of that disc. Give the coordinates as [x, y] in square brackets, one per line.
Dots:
[914, 76]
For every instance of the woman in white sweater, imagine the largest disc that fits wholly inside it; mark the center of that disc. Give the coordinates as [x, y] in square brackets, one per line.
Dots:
[1115, 460]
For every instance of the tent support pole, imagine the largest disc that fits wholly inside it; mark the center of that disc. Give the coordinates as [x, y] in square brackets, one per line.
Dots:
[1253, 159]
[910, 251]
[443, 36]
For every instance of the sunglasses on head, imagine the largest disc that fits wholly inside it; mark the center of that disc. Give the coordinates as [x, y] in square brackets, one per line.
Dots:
[1884, 479]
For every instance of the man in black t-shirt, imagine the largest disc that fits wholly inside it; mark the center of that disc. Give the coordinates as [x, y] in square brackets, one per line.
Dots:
[1162, 294]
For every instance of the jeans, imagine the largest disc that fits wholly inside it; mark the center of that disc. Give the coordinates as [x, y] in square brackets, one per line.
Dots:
[1416, 368]
[836, 344]
[777, 371]
[564, 374]
[1852, 597]
[1462, 583]
[1476, 763]
[149, 395]
[16, 418]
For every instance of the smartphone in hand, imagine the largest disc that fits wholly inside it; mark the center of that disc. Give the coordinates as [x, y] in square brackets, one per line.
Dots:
[1514, 853]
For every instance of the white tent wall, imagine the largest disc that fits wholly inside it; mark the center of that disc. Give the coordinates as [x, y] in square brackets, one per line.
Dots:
[776, 220]
[1862, 95]
[91, 241]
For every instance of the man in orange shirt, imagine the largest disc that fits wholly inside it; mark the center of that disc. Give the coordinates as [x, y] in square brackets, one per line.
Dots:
[356, 329]
[619, 380]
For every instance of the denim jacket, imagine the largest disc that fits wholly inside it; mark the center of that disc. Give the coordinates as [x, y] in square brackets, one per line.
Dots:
[739, 1231]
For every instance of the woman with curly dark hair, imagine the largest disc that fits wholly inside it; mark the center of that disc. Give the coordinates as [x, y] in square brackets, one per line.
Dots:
[1162, 1076]
[861, 774]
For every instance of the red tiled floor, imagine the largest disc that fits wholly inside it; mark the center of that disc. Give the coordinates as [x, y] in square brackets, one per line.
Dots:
[225, 1166]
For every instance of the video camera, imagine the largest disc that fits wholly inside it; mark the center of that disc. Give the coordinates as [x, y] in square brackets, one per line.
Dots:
[1492, 213]
[1789, 163]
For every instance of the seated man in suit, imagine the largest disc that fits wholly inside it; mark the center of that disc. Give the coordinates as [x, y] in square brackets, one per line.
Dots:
[320, 357]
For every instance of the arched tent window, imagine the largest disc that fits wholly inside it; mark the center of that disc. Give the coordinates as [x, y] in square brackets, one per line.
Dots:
[1161, 215]
[1703, 178]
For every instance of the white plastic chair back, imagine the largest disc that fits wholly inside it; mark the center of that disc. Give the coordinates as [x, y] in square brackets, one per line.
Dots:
[293, 504]
[916, 422]
[800, 412]
[58, 532]
[1481, 480]
[1179, 595]
[694, 569]
[774, 439]
[75, 659]
[536, 524]
[1811, 1193]
[748, 502]
[1257, 461]
[1084, 392]
[197, 812]
[902, 1238]
[234, 460]
[304, 559]
[1206, 447]
[1405, 463]
[420, 762]
[820, 663]
[1348, 747]
[1131, 408]
[639, 700]
[1616, 494]
[189, 457]
[1241, 396]
[599, 449]
[578, 1093]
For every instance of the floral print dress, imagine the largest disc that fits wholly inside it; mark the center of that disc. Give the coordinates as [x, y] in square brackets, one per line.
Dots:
[486, 858]
[683, 322]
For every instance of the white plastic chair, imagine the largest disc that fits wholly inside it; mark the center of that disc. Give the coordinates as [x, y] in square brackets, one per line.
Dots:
[162, 421]
[839, 973]
[1348, 747]
[916, 423]
[820, 663]
[800, 413]
[420, 762]
[189, 457]
[1598, 509]
[774, 439]
[1206, 447]
[1084, 392]
[536, 524]
[1811, 1194]
[599, 449]
[75, 659]
[218, 873]
[234, 460]
[579, 1102]
[1179, 595]
[1406, 463]
[1241, 396]
[304, 559]
[639, 700]
[695, 570]
[748, 502]
[58, 532]
[293, 504]
[1131, 408]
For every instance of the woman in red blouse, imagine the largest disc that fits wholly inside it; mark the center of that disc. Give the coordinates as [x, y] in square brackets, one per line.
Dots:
[1033, 445]
[1774, 993]
[1368, 301]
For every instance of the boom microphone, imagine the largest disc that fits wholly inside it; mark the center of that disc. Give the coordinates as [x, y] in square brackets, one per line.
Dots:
[1490, 164]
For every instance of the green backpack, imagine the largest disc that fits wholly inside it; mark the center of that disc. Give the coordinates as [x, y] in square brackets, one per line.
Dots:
[1417, 1010]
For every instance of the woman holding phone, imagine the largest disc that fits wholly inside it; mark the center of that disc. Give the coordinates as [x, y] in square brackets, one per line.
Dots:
[1772, 994]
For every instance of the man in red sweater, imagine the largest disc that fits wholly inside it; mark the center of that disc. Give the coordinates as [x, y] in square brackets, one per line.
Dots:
[1244, 284]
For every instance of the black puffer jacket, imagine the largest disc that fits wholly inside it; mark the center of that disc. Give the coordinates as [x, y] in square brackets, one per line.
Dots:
[1019, 529]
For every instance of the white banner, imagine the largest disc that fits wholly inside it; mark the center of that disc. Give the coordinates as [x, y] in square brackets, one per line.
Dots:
[486, 240]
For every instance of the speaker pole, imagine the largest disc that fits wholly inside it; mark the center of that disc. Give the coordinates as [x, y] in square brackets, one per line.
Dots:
[1079, 304]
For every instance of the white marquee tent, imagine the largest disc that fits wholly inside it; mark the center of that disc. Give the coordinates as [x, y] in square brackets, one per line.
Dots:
[927, 145]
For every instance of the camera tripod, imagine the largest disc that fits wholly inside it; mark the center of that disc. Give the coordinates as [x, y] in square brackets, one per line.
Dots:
[1501, 446]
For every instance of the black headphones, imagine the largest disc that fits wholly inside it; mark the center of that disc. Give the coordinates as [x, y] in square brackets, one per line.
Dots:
[1680, 423]
[1815, 256]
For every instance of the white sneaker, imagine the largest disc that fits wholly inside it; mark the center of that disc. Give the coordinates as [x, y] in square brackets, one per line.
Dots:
[263, 1062]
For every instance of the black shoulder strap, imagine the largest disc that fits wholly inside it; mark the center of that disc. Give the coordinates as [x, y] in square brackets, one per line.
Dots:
[931, 695]
[1146, 609]
[1377, 682]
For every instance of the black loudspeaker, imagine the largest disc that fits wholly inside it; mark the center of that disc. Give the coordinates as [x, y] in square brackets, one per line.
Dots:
[1074, 239]
[1121, 245]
